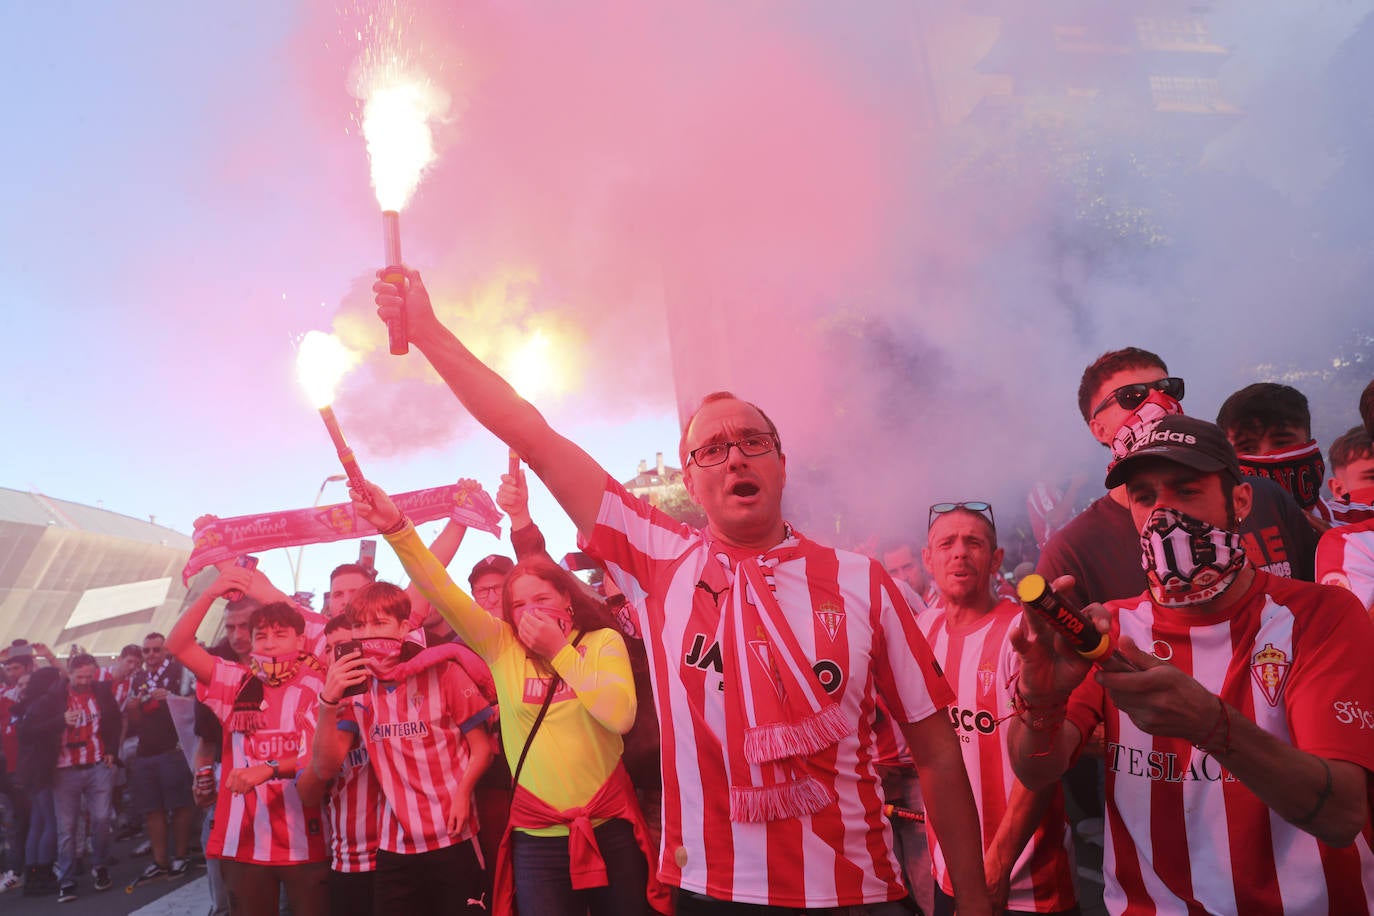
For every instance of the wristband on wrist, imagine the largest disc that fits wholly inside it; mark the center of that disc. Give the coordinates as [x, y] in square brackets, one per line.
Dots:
[1322, 796]
[324, 701]
[1039, 718]
[396, 528]
[1218, 740]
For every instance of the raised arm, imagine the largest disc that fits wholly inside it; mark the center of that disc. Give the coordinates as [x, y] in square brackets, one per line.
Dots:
[444, 547]
[572, 476]
[181, 641]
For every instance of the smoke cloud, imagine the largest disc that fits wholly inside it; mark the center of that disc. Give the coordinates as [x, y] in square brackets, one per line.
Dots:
[902, 229]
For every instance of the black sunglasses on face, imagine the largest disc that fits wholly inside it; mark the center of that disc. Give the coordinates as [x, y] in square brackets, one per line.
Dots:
[981, 508]
[1129, 397]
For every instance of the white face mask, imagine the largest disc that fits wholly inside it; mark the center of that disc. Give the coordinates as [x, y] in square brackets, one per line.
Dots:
[1186, 560]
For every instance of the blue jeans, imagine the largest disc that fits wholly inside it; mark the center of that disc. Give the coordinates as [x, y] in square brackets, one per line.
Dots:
[543, 886]
[78, 790]
[41, 848]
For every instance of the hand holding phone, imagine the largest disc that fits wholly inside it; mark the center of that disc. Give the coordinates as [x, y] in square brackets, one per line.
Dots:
[246, 561]
[343, 650]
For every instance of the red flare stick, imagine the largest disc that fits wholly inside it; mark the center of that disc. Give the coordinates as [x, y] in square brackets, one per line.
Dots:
[350, 464]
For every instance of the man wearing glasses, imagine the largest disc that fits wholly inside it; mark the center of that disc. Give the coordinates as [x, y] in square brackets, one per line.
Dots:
[159, 777]
[1026, 851]
[1123, 393]
[768, 652]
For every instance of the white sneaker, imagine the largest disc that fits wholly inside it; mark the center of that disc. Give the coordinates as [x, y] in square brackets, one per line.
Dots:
[9, 881]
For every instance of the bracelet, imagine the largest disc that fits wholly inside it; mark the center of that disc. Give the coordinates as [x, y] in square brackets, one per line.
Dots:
[1322, 796]
[396, 528]
[325, 702]
[1208, 745]
[1039, 718]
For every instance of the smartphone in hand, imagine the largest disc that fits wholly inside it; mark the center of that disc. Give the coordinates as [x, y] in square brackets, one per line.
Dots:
[348, 648]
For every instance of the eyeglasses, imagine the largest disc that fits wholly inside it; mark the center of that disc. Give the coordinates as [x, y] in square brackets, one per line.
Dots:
[708, 456]
[486, 590]
[981, 508]
[1129, 397]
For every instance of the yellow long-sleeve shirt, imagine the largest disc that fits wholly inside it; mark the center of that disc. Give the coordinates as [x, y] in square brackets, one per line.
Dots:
[578, 744]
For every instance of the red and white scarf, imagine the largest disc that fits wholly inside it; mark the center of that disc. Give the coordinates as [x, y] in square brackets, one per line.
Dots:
[777, 713]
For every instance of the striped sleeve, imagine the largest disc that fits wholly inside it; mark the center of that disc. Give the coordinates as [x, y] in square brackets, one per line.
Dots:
[909, 680]
[464, 700]
[1345, 558]
[218, 694]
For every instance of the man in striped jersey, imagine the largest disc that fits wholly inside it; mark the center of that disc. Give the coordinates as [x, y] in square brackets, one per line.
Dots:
[1027, 855]
[1345, 554]
[768, 654]
[1239, 752]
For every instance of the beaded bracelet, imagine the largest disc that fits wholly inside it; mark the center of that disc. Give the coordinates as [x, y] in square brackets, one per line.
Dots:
[396, 528]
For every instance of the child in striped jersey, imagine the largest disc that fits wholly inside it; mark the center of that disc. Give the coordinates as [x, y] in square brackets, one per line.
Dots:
[420, 719]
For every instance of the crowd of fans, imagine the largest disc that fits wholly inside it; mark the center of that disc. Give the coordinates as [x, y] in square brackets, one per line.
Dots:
[741, 720]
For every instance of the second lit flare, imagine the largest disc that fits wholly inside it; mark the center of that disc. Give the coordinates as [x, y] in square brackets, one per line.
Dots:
[321, 363]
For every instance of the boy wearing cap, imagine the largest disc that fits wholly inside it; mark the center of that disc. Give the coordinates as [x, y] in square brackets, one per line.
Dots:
[1238, 754]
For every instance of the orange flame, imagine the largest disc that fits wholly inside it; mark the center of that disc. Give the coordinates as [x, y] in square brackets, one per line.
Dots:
[321, 363]
[396, 125]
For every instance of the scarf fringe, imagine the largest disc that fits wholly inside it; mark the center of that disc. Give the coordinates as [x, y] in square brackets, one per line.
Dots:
[799, 798]
[802, 738]
[246, 721]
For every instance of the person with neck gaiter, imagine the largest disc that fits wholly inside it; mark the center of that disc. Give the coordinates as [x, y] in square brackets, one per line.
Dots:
[265, 837]
[421, 720]
[576, 841]
[1345, 554]
[1240, 747]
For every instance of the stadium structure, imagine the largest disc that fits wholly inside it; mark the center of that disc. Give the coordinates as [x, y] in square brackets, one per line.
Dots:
[74, 575]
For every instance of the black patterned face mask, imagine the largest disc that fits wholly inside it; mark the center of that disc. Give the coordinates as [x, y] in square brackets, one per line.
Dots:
[1186, 560]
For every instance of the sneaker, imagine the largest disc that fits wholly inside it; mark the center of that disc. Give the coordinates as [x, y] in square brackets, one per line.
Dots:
[102, 878]
[66, 892]
[144, 849]
[178, 868]
[153, 872]
[9, 881]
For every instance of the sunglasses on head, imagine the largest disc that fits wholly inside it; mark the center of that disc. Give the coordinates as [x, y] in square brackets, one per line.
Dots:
[1129, 397]
[981, 508]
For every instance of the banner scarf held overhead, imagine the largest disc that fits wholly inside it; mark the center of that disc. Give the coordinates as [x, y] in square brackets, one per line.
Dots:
[224, 539]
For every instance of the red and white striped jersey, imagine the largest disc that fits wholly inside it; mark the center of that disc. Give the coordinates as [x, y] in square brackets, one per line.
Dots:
[1184, 835]
[1345, 558]
[849, 617]
[269, 825]
[979, 663]
[81, 742]
[414, 731]
[353, 810]
[119, 688]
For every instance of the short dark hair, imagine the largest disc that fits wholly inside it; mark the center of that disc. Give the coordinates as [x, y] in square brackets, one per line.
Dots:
[1352, 445]
[357, 568]
[1264, 406]
[1367, 408]
[380, 599]
[153, 635]
[337, 622]
[246, 603]
[722, 396]
[992, 529]
[131, 651]
[277, 614]
[82, 660]
[1107, 365]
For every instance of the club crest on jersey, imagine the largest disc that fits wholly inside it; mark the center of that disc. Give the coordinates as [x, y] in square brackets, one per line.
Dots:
[339, 518]
[1270, 669]
[985, 677]
[831, 617]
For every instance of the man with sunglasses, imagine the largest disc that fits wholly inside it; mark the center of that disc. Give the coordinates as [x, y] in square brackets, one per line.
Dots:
[1026, 849]
[1238, 732]
[159, 777]
[769, 654]
[1121, 395]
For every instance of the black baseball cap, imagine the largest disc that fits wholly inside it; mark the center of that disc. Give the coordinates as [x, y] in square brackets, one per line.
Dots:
[1184, 440]
[495, 563]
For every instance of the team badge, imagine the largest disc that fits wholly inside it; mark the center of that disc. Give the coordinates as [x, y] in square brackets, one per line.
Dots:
[1270, 669]
[830, 617]
[338, 518]
[985, 677]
